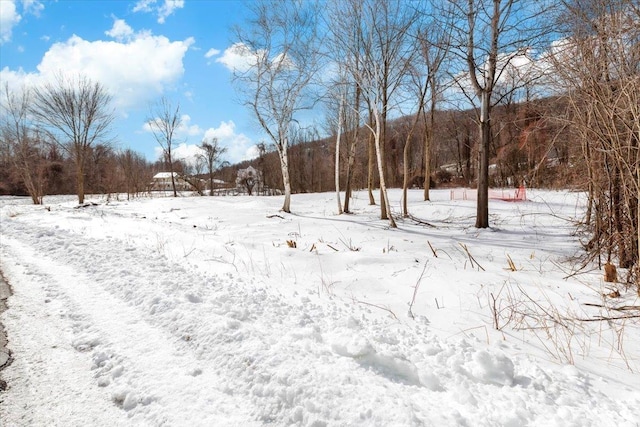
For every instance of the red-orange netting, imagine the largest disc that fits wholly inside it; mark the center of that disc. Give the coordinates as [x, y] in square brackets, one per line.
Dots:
[506, 194]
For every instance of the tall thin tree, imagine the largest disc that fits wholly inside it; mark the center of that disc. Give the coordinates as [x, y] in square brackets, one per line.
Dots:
[163, 121]
[280, 45]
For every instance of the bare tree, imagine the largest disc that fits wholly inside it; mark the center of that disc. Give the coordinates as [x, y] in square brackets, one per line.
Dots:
[76, 115]
[487, 35]
[421, 87]
[388, 54]
[211, 152]
[281, 47]
[378, 52]
[164, 121]
[598, 64]
[342, 96]
[25, 144]
[434, 44]
[344, 47]
[135, 171]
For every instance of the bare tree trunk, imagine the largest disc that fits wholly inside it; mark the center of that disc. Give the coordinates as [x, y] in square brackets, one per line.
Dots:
[371, 168]
[352, 151]
[350, 167]
[80, 179]
[428, 143]
[427, 165]
[405, 158]
[173, 180]
[337, 162]
[383, 187]
[405, 179]
[482, 213]
[284, 163]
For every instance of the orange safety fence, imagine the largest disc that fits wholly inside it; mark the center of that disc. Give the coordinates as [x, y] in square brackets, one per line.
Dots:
[508, 195]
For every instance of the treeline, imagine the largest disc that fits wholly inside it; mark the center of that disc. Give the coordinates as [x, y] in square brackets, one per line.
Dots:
[533, 148]
[45, 170]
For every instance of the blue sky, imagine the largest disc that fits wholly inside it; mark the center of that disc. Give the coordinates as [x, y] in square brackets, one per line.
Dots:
[140, 50]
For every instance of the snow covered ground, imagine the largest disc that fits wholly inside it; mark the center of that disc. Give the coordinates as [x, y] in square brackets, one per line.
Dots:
[199, 311]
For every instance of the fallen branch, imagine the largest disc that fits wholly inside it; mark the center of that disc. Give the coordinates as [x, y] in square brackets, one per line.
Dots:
[607, 318]
[421, 221]
[621, 308]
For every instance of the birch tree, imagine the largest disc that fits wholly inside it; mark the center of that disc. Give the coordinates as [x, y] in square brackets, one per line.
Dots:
[378, 62]
[344, 50]
[280, 45]
[342, 99]
[76, 114]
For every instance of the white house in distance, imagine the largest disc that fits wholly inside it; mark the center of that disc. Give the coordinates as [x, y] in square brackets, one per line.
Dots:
[162, 182]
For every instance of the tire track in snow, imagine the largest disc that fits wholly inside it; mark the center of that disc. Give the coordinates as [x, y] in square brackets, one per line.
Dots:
[262, 348]
[136, 360]
[42, 352]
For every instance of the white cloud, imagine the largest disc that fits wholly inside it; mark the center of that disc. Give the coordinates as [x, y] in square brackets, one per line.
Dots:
[134, 72]
[120, 31]
[164, 10]
[183, 151]
[33, 7]
[239, 57]
[239, 146]
[187, 151]
[9, 17]
[18, 79]
[211, 52]
[143, 6]
[225, 131]
[186, 128]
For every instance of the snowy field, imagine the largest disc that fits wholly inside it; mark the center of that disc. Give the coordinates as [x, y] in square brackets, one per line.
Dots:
[223, 311]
